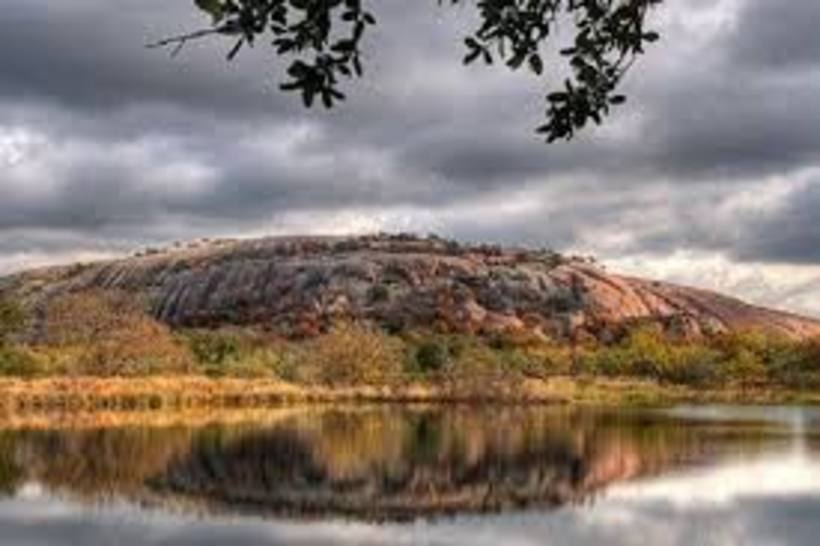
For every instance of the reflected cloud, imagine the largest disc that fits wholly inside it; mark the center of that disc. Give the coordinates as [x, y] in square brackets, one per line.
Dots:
[388, 475]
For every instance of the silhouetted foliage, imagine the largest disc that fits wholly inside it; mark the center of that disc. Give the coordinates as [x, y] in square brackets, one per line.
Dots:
[323, 38]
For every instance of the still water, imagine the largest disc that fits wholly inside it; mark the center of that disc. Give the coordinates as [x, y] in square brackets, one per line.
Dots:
[425, 475]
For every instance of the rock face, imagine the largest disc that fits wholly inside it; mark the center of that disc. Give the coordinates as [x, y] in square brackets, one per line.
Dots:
[299, 285]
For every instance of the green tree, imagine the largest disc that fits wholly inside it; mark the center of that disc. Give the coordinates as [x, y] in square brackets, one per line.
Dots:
[322, 39]
[746, 368]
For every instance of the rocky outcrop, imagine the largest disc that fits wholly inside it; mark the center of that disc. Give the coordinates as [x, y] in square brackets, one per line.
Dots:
[300, 285]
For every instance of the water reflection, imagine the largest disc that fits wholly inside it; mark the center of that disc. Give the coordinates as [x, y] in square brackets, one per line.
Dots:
[382, 463]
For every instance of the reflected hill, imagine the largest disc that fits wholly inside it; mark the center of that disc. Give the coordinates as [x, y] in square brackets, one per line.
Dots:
[384, 463]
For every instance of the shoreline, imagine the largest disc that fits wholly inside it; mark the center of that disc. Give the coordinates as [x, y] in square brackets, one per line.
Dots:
[60, 395]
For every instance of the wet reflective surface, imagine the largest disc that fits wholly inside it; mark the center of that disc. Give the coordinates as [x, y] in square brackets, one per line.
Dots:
[390, 475]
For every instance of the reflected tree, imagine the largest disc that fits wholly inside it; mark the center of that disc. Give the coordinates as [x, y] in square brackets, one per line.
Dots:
[11, 474]
[376, 463]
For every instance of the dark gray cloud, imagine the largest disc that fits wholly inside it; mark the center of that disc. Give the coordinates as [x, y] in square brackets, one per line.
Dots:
[737, 126]
[91, 57]
[790, 234]
[106, 144]
[777, 36]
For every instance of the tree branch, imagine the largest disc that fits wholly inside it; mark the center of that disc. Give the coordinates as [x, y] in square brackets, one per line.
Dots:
[179, 41]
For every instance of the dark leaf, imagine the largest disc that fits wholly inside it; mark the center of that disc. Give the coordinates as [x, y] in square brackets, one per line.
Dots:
[536, 65]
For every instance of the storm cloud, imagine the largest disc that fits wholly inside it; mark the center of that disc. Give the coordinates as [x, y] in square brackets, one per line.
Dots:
[106, 145]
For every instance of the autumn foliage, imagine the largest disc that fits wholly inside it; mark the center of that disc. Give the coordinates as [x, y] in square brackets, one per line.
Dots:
[111, 335]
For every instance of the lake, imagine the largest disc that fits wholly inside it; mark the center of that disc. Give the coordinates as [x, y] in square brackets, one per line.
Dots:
[388, 475]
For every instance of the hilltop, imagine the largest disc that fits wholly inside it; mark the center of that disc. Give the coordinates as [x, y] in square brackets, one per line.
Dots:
[298, 286]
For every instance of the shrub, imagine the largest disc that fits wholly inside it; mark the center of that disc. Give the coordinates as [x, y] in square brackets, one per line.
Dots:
[692, 365]
[378, 293]
[351, 353]
[244, 353]
[550, 359]
[281, 360]
[463, 355]
[755, 357]
[647, 353]
[745, 367]
[607, 361]
[12, 320]
[258, 363]
[746, 358]
[146, 348]
[797, 365]
[480, 368]
[81, 318]
[44, 360]
[214, 349]
[749, 344]
[18, 363]
[431, 356]
[477, 359]
[113, 335]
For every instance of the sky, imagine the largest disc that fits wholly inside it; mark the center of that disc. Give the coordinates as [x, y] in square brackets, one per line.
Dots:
[708, 176]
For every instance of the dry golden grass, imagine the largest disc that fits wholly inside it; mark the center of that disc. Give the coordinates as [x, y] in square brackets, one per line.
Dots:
[188, 418]
[194, 395]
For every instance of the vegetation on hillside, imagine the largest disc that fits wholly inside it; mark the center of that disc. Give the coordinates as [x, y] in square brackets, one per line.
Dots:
[103, 333]
[13, 361]
[107, 334]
